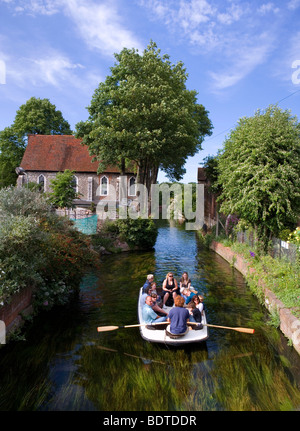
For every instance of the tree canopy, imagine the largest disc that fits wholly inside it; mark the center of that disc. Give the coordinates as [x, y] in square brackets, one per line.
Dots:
[39, 116]
[259, 171]
[36, 116]
[144, 113]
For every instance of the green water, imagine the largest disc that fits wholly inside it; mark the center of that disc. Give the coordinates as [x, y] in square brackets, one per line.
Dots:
[65, 364]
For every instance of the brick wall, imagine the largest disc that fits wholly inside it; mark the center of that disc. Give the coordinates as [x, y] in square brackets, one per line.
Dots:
[20, 302]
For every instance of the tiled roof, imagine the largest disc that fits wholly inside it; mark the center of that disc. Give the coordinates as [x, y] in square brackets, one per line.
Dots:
[55, 153]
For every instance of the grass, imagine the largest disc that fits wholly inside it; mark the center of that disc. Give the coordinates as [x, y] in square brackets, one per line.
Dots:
[279, 275]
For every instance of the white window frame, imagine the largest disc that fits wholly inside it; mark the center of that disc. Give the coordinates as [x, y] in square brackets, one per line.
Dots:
[129, 186]
[101, 186]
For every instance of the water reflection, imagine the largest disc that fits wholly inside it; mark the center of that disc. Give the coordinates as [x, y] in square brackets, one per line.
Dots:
[66, 365]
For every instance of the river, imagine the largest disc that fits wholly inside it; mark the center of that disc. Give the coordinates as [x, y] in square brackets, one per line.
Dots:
[66, 365]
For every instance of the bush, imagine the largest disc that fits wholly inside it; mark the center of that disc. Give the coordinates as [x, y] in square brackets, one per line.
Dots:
[39, 249]
[139, 232]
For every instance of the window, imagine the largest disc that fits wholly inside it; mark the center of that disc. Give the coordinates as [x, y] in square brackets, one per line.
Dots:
[75, 183]
[41, 183]
[132, 191]
[104, 186]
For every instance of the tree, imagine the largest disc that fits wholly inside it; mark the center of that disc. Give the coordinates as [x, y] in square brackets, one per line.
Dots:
[36, 116]
[63, 190]
[11, 152]
[259, 171]
[144, 113]
[39, 116]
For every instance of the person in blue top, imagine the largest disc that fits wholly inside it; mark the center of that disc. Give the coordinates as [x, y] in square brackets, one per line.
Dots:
[149, 315]
[150, 279]
[178, 317]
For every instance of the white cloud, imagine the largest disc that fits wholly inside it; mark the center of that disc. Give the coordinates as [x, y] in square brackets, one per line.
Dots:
[293, 4]
[244, 60]
[100, 26]
[54, 69]
[35, 7]
[231, 33]
[268, 8]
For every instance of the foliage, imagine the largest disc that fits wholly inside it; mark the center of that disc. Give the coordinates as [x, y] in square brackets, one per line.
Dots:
[36, 116]
[259, 171]
[39, 116]
[144, 113]
[279, 275]
[211, 170]
[11, 152]
[63, 191]
[39, 249]
[21, 201]
[294, 237]
[139, 232]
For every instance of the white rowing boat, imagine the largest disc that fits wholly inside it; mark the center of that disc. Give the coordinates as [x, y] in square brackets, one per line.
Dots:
[161, 334]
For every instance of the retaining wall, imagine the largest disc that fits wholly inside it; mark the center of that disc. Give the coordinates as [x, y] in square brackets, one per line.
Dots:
[289, 324]
[20, 304]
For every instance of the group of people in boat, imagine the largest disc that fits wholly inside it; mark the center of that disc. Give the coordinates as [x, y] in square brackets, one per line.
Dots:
[188, 303]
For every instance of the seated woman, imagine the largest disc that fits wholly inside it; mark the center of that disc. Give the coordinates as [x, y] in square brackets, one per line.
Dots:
[170, 287]
[185, 283]
[198, 300]
[178, 317]
[195, 315]
[155, 305]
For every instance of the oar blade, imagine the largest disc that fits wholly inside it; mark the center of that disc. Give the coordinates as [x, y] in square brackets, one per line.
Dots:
[107, 328]
[245, 330]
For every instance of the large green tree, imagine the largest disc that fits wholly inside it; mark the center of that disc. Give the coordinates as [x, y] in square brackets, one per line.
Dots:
[144, 113]
[40, 116]
[259, 171]
[36, 116]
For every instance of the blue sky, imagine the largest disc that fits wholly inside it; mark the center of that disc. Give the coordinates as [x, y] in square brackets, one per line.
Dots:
[240, 55]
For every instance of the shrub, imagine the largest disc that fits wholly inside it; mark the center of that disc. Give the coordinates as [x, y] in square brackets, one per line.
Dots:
[39, 249]
[138, 232]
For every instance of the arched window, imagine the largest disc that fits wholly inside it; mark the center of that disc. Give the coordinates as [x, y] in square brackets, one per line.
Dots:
[75, 183]
[132, 191]
[41, 183]
[104, 186]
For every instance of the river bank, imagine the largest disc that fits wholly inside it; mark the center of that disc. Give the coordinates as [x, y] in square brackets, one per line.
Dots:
[289, 324]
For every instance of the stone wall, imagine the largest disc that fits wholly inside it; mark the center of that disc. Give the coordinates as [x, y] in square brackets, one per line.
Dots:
[289, 324]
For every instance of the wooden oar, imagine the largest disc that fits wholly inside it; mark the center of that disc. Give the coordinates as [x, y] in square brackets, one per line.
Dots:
[245, 330]
[113, 328]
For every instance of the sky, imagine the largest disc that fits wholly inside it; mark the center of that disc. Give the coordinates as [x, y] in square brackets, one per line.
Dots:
[240, 55]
